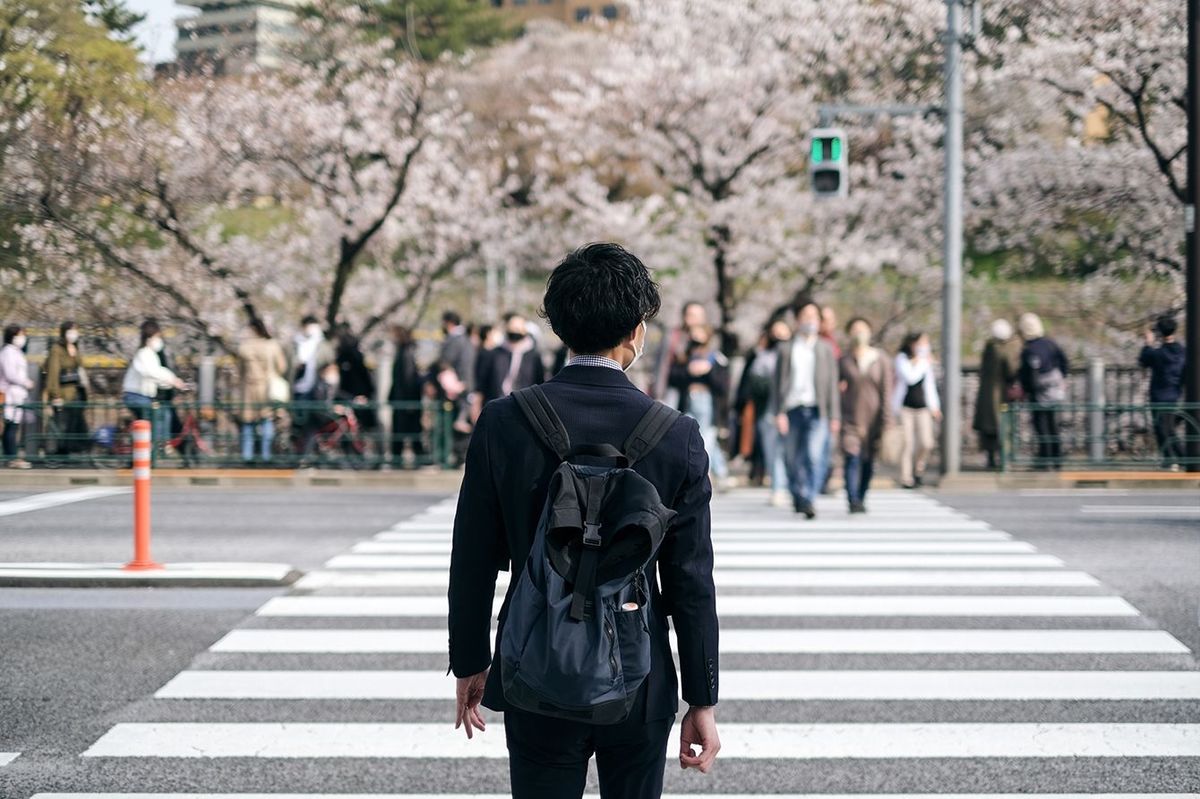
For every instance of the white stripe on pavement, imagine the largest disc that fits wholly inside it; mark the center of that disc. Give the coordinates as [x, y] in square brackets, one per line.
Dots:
[741, 523]
[783, 641]
[752, 741]
[761, 606]
[754, 578]
[1141, 510]
[770, 535]
[759, 547]
[932, 561]
[8, 757]
[778, 686]
[596, 796]
[52, 499]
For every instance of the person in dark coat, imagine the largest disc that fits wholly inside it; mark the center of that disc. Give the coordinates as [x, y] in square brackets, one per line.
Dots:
[1043, 377]
[597, 301]
[1166, 363]
[866, 381]
[997, 378]
[356, 379]
[405, 396]
[514, 364]
[67, 390]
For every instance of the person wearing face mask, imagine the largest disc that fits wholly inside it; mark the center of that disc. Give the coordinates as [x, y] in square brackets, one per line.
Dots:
[808, 407]
[754, 403]
[15, 384]
[515, 364]
[866, 377]
[915, 401]
[66, 390]
[311, 350]
[145, 376]
[598, 301]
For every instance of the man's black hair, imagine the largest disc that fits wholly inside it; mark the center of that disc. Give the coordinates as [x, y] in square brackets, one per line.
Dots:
[451, 318]
[802, 301]
[309, 320]
[10, 332]
[597, 296]
[1166, 326]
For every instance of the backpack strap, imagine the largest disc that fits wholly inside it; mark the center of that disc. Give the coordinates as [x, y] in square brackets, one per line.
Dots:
[650, 430]
[589, 556]
[544, 418]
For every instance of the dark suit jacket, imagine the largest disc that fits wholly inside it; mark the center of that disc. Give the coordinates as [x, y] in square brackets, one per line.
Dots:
[507, 475]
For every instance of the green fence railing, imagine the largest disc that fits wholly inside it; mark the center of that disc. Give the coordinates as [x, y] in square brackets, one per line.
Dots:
[189, 433]
[1090, 436]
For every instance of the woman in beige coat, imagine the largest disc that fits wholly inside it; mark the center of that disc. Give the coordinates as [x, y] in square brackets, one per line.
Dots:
[865, 379]
[262, 364]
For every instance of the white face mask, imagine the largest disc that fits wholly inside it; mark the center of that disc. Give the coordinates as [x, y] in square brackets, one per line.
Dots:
[333, 380]
[19, 341]
[157, 344]
[312, 331]
[637, 352]
[72, 336]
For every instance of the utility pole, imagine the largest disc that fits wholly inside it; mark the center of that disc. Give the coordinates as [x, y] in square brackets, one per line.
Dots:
[1192, 271]
[953, 252]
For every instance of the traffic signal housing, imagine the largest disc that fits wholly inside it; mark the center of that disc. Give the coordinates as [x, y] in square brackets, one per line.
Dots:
[829, 162]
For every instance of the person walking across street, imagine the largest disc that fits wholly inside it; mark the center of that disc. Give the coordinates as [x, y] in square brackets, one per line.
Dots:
[144, 376]
[997, 384]
[455, 376]
[866, 378]
[66, 390]
[756, 390]
[809, 409]
[15, 385]
[513, 365]
[916, 402]
[598, 300]
[704, 380]
[672, 348]
[1043, 377]
[1166, 363]
[261, 366]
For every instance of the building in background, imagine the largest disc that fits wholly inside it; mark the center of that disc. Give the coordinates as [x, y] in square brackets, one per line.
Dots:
[562, 10]
[229, 36]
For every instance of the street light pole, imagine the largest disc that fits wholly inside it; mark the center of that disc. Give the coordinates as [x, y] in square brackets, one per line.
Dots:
[953, 252]
[1192, 269]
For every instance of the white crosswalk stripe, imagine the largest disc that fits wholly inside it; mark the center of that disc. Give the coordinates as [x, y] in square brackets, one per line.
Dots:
[940, 608]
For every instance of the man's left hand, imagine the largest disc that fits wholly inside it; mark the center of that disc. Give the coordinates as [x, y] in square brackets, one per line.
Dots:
[470, 694]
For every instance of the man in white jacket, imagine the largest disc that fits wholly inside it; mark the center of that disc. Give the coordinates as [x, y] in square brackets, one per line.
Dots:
[145, 376]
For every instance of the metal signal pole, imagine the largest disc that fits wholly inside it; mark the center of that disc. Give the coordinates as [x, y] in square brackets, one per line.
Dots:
[953, 253]
[1192, 262]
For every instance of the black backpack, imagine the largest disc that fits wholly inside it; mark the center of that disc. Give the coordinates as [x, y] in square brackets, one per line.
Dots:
[576, 641]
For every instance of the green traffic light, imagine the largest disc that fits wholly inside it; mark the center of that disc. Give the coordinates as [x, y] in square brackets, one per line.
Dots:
[826, 148]
[818, 151]
[835, 149]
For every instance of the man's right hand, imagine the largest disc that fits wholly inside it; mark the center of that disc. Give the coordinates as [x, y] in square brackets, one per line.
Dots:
[699, 728]
[781, 423]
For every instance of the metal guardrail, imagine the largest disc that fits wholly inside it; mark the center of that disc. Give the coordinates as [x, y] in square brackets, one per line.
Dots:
[188, 433]
[1098, 436]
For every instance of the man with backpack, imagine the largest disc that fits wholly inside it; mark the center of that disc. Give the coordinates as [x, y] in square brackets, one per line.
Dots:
[597, 499]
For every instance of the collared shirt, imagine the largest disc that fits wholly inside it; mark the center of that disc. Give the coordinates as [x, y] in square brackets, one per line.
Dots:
[803, 390]
[594, 360]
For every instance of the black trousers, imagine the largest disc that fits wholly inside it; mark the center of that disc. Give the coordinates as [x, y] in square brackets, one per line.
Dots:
[1170, 445]
[1049, 444]
[548, 757]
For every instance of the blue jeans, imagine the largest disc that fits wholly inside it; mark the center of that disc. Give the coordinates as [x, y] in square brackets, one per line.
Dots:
[772, 448]
[700, 407]
[142, 407]
[264, 428]
[859, 471]
[804, 452]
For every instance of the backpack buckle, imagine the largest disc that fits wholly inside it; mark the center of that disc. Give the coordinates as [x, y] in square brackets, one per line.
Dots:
[591, 535]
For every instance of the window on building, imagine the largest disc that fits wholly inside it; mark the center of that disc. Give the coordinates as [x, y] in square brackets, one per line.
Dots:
[609, 11]
[583, 14]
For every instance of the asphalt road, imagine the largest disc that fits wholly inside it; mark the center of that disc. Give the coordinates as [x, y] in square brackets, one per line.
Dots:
[79, 667]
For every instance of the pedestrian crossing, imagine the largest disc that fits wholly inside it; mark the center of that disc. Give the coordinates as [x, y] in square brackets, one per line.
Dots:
[913, 652]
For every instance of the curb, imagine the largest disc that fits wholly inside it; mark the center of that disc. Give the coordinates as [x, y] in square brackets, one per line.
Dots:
[181, 575]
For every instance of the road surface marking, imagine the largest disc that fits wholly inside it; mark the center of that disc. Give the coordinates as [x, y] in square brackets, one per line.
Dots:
[854, 685]
[760, 606]
[1147, 510]
[755, 578]
[772, 535]
[739, 741]
[911, 561]
[724, 546]
[596, 796]
[53, 499]
[784, 641]
[8, 757]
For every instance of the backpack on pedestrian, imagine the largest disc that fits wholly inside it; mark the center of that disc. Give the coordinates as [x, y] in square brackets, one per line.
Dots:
[576, 642]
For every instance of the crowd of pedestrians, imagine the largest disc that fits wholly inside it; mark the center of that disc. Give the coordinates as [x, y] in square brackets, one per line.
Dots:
[808, 393]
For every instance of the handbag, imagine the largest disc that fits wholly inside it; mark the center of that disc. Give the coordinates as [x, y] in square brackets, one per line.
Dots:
[69, 377]
[278, 389]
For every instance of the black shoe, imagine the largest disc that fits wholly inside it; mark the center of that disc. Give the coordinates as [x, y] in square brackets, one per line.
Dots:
[858, 507]
[808, 510]
[918, 482]
[908, 486]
